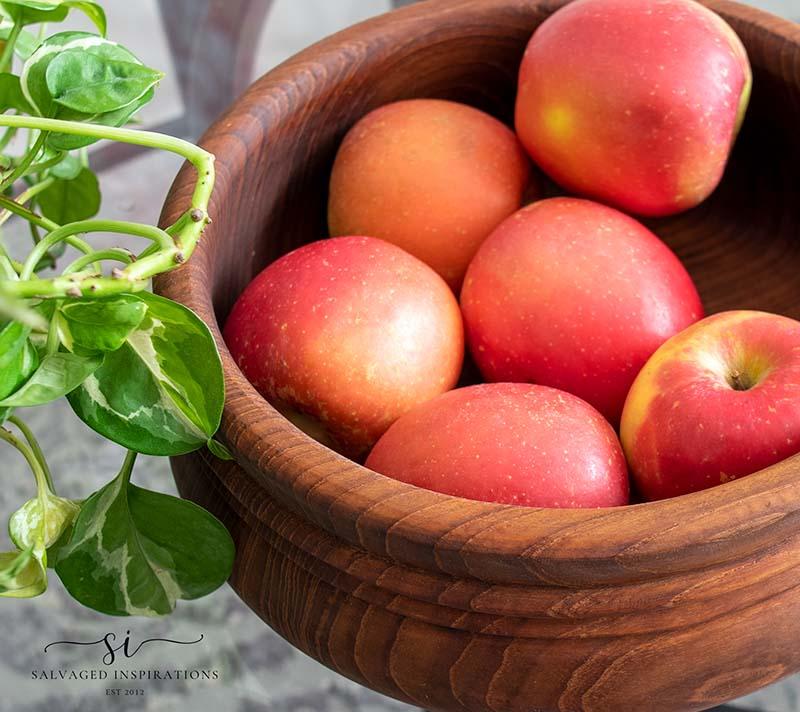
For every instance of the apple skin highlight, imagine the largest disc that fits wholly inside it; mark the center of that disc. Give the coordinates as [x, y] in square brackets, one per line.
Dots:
[575, 295]
[636, 103]
[719, 401]
[345, 335]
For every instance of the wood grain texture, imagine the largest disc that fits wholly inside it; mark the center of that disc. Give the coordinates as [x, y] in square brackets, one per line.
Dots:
[457, 605]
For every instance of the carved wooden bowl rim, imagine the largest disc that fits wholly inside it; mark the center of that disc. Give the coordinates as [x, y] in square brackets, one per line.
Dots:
[440, 533]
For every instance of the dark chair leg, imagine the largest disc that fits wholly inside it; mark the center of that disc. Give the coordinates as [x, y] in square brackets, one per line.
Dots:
[213, 44]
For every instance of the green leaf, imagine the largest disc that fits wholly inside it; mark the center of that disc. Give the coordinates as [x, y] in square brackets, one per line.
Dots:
[57, 375]
[92, 10]
[217, 449]
[42, 519]
[33, 77]
[39, 5]
[99, 324]
[30, 12]
[69, 168]
[66, 201]
[91, 83]
[11, 96]
[18, 358]
[23, 574]
[170, 401]
[136, 552]
[33, 81]
[36, 11]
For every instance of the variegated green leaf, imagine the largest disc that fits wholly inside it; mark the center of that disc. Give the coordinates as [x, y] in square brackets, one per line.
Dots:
[136, 552]
[92, 83]
[44, 518]
[99, 324]
[170, 401]
[33, 77]
[23, 574]
[33, 81]
[56, 376]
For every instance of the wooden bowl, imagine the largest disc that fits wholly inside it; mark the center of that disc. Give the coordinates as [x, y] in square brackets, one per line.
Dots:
[459, 605]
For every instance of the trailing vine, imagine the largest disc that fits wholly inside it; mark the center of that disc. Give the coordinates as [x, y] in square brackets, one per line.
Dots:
[139, 369]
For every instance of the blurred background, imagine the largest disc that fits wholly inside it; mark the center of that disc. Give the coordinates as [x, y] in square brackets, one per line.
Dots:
[210, 50]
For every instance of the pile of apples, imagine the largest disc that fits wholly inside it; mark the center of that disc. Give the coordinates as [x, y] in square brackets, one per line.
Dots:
[581, 321]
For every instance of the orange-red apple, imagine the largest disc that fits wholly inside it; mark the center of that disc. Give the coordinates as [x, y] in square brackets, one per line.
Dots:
[512, 443]
[634, 102]
[346, 335]
[575, 295]
[718, 401]
[433, 177]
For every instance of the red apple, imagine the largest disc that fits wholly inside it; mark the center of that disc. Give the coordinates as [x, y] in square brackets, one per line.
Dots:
[345, 336]
[512, 443]
[634, 102]
[574, 295]
[433, 177]
[718, 401]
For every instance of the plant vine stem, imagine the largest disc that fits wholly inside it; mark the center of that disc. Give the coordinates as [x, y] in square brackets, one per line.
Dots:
[197, 156]
[26, 161]
[192, 222]
[113, 253]
[8, 267]
[8, 134]
[53, 342]
[27, 453]
[150, 232]
[38, 167]
[42, 222]
[33, 443]
[14, 207]
[71, 285]
[7, 258]
[25, 196]
[8, 50]
[127, 466]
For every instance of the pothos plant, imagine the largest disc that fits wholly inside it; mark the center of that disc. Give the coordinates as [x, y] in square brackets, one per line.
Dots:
[139, 369]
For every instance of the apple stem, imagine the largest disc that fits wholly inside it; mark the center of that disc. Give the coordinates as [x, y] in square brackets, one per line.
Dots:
[738, 381]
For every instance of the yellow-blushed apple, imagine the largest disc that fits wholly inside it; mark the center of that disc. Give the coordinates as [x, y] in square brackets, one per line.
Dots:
[512, 443]
[576, 295]
[431, 176]
[635, 103]
[346, 335]
[718, 401]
